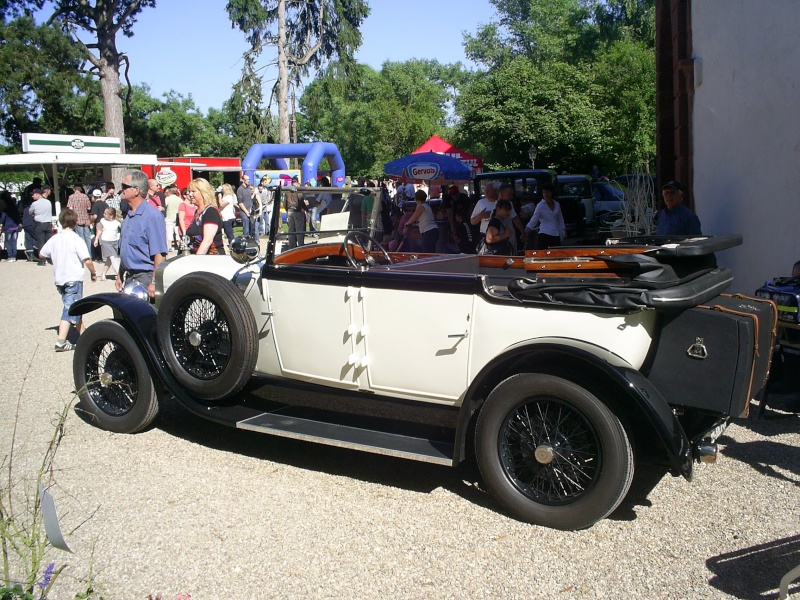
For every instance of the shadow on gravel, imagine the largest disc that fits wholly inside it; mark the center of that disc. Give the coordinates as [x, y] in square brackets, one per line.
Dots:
[751, 573]
[772, 422]
[645, 479]
[463, 480]
[766, 457]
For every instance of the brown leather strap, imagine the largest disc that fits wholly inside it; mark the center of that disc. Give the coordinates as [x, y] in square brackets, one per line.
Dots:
[725, 309]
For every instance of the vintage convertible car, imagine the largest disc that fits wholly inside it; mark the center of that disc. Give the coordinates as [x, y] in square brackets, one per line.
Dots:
[559, 370]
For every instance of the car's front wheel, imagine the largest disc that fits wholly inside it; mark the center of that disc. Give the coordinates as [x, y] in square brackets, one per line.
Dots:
[552, 453]
[113, 382]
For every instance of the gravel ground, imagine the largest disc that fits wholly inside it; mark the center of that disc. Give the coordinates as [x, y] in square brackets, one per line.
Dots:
[189, 507]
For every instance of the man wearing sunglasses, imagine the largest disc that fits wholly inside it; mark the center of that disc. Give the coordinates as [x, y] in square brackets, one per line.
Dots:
[143, 244]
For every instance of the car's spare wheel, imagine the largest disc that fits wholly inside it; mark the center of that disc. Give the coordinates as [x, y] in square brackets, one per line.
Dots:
[208, 334]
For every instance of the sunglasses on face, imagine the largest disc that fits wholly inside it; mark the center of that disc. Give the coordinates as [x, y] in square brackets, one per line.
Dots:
[125, 186]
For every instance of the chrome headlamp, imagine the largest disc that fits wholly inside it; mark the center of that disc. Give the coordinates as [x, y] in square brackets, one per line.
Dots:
[137, 290]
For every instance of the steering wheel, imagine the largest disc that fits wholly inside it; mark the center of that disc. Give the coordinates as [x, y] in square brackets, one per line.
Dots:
[363, 240]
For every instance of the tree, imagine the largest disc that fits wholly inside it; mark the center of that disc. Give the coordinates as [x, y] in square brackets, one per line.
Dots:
[574, 77]
[250, 118]
[41, 87]
[541, 30]
[508, 109]
[624, 76]
[376, 116]
[102, 22]
[170, 127]
[305, 34]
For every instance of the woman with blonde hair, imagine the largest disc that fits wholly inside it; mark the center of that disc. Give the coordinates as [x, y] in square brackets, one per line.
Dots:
[226, 205]
[205, 232]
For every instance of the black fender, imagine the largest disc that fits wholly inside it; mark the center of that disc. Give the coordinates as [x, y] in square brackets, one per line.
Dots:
[631, 391]
[139, 318]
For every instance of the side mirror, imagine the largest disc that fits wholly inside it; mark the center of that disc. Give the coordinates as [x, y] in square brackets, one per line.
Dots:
[245, 249]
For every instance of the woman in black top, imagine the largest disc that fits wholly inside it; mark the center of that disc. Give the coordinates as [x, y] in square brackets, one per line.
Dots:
[497, 235]
[205, 231]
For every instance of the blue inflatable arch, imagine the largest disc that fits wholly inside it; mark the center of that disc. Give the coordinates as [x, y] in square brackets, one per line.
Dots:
[312, 154]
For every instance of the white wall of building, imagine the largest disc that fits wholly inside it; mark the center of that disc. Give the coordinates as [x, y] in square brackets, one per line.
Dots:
[747, 132]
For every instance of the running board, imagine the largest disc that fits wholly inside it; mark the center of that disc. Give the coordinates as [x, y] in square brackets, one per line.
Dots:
[344, 436]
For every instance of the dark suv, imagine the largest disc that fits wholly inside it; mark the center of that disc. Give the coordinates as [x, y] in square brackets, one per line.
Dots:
[527, 183]
[573, 191]
[527, 186]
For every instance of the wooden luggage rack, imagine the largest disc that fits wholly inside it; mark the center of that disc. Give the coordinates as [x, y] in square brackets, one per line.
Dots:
[581, 263]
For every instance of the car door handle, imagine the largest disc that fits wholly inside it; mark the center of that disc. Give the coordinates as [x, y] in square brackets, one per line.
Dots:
[459, 335]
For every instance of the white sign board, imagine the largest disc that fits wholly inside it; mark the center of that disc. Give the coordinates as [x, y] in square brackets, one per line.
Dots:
[49, 142]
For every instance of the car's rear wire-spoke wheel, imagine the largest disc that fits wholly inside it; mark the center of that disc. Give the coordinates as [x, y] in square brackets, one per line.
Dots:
[113, 380]
[207, 332]
[201, 337]
[551, 452]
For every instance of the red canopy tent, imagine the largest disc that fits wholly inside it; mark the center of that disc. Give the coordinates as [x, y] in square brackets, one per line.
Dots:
[437, 144]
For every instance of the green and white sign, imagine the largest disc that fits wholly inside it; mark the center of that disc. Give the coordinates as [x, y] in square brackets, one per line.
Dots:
[46, 142]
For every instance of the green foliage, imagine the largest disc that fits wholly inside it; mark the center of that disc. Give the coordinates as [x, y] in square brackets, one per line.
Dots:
[541, 30]
[627, 19]
[624, 76]
[508, 109]
[173, 126]
[574, 77]
[377, 116]
[41, 87]
[100, 22]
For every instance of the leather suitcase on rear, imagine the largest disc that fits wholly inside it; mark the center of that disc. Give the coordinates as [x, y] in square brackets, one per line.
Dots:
[766, 311]
[704, 359]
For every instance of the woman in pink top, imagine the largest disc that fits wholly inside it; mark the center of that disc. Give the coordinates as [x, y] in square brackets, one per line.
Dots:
[185, 213]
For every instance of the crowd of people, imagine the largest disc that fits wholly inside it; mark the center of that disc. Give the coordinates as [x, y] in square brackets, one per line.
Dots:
[130, 232]
[415, 217]
[412, 217]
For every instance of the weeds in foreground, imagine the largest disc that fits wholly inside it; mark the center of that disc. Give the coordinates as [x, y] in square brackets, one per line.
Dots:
[26, 575]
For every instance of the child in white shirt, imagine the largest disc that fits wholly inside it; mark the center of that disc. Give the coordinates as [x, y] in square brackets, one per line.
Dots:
[69, 255]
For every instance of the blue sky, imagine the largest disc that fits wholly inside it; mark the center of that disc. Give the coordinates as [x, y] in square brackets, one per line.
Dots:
[190, 46]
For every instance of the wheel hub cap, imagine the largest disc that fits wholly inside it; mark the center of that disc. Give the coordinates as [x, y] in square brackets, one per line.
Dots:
[195, 338]
[544, 454]
[106, 378]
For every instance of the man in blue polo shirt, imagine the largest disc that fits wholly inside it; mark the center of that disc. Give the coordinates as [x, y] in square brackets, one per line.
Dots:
[675, 218]
[143, 243]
